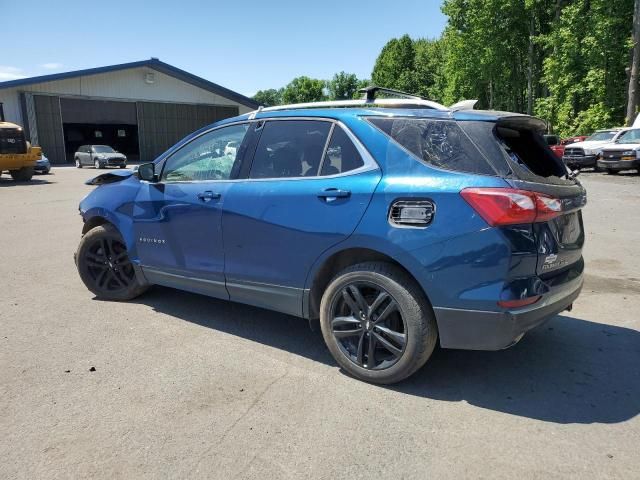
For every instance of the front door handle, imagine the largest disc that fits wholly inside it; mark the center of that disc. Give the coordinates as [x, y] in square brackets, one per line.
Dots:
[330, 194]
[208, 195]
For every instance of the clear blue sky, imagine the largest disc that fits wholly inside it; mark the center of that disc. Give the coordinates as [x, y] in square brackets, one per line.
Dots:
[243, 45]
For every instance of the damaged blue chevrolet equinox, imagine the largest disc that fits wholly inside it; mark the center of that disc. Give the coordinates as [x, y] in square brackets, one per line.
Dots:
[395, 222]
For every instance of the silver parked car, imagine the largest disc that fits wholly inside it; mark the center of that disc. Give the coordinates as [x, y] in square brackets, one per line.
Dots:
[99, 156]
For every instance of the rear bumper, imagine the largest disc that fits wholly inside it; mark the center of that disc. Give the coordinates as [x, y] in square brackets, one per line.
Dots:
[618, 164]
[580, 161]
[484, 330]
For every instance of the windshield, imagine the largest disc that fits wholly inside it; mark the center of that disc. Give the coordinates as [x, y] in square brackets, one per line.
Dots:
[600, 136]
[102, 149]
[630, 136]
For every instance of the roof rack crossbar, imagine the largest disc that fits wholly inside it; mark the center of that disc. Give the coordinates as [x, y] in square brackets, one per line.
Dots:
[370, 93]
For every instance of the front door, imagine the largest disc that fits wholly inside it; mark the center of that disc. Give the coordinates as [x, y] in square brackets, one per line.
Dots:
[303, 195]
[177, 221]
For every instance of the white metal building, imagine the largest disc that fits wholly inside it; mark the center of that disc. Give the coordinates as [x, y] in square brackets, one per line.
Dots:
[139, 108]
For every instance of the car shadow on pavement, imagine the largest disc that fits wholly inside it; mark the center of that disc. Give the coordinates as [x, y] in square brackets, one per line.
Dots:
[274, 329]
[6, 181]
[566, 371]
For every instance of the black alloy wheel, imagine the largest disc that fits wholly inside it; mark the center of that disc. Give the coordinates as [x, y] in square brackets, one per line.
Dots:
[105, 267]
[108, 264]
[377, 322]
[368, 326]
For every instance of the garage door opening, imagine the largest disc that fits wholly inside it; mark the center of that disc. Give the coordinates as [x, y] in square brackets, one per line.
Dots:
[100, 122]
[120, 137]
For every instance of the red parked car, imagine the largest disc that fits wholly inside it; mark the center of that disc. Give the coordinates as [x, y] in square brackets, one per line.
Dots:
[557, 146]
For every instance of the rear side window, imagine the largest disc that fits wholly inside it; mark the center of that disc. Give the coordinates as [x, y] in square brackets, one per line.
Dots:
[342, 155]
[290, 148]
[440, 143]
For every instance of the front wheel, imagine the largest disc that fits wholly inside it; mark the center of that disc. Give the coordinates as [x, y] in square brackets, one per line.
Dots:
[78, 164]
[104, 265]
[22, 175]
[123, 166]
[97, 164]
[377, 323]
[611, 171]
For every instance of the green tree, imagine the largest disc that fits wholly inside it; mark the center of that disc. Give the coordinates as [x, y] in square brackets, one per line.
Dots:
[394, 67]
[304, 89]
[343, 86]
[268, 98]
[584, 73]
[429, 78]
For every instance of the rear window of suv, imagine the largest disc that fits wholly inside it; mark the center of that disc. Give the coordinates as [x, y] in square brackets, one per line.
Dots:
[440, 143]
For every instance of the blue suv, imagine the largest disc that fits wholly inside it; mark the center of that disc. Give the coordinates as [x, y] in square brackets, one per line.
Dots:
[395, 222]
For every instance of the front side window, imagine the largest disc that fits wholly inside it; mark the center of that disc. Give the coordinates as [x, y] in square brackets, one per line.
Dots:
[342, 155]
[208, 157]
[290, 148]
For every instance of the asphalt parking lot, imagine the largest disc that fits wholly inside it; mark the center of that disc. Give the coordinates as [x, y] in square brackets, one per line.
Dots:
[190, 387]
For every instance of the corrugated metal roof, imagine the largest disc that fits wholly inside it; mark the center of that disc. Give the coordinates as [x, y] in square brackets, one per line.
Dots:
[153, 63]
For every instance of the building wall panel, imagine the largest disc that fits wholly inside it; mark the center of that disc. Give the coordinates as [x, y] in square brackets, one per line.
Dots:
[49, 121]
[161, 125]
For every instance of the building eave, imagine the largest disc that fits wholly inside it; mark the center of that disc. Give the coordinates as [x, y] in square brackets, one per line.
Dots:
[152, 63]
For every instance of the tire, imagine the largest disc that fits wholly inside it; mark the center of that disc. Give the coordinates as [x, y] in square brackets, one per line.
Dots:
[22, 175]
[97, 164]
[78, 164]
[612, 172]
[409, 327]
[123, 166]
[104, 266]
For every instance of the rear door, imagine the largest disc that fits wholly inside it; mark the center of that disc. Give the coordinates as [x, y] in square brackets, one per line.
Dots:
[308, 186]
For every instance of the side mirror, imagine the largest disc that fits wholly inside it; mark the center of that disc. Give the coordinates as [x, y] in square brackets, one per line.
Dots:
[147, 171]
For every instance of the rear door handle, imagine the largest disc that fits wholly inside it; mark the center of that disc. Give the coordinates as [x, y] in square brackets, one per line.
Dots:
[330, 194]
[208, 195]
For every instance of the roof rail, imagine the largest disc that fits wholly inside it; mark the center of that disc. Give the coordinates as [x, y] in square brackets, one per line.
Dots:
[381, 102]
[400, 99]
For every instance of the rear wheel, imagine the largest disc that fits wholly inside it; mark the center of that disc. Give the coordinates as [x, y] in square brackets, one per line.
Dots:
[611, 171]
[377, 323]
[104, 265]
[22, 175]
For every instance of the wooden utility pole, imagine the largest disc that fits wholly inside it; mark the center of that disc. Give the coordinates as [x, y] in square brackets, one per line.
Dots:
[634, 97]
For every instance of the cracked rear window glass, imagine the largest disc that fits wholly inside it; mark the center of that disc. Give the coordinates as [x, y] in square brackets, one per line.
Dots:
[440, 143]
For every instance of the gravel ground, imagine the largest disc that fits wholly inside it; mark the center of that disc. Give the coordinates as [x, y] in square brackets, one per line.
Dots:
[190, 387]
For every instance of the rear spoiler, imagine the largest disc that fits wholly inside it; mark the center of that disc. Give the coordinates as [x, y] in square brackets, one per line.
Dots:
[518, 122]
[463, 105]
[110, 177]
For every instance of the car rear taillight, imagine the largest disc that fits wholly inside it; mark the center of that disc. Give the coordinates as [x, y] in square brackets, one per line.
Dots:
[510, 206]
[521, 302]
